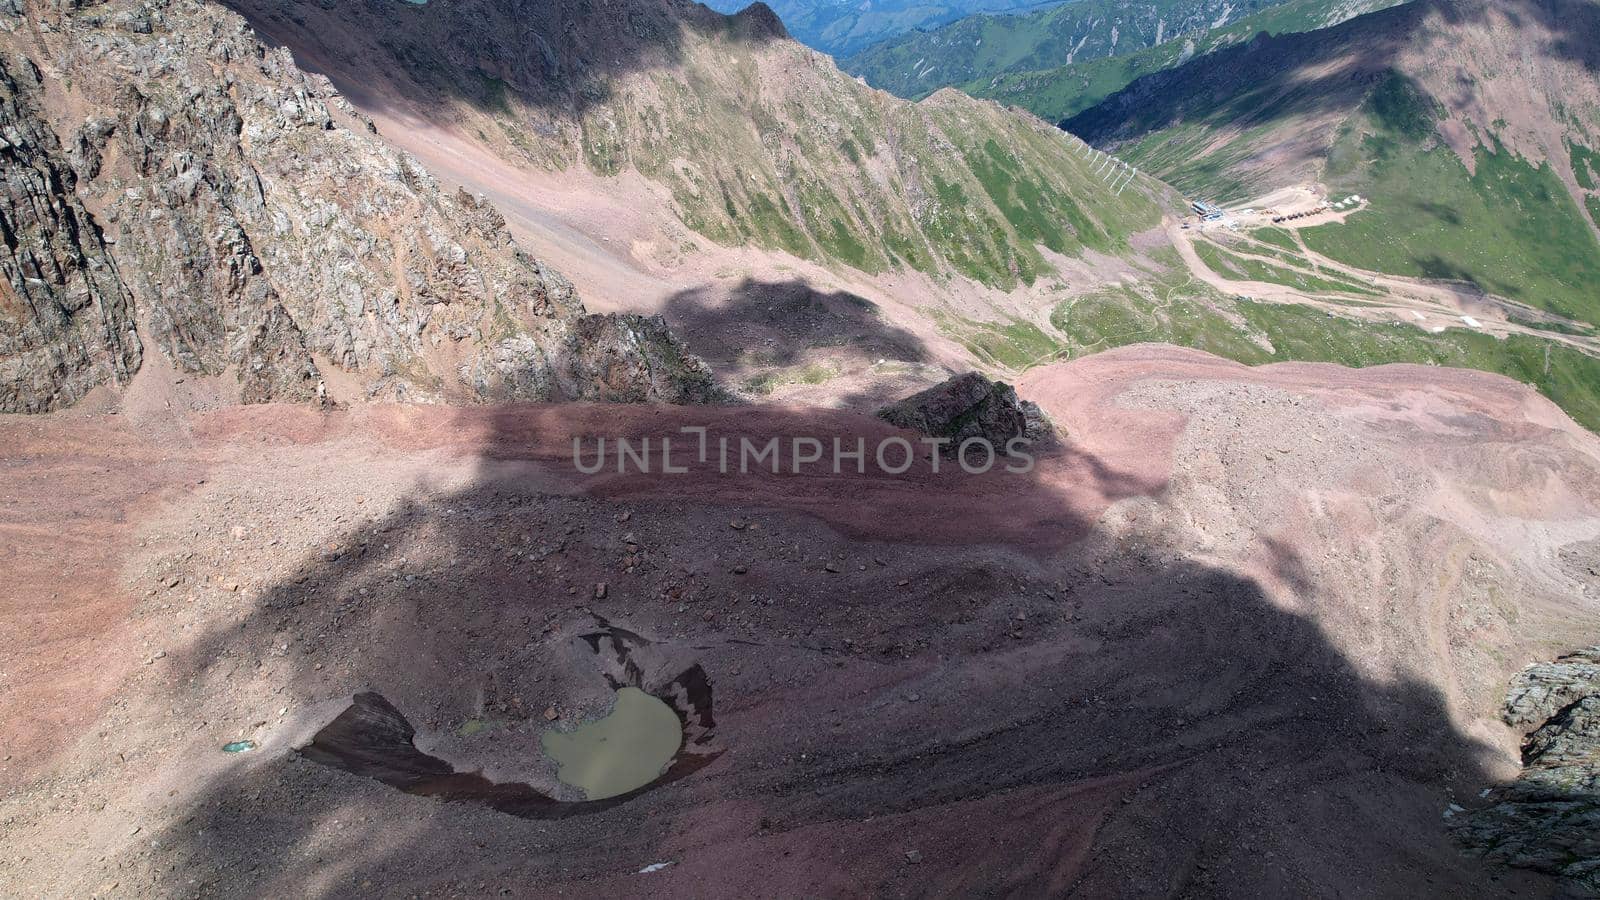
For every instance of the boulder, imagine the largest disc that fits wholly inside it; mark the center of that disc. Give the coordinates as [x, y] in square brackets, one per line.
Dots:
[969, 406]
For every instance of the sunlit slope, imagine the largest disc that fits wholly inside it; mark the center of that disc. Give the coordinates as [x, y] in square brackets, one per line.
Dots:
[1468, 125]
[754, 139]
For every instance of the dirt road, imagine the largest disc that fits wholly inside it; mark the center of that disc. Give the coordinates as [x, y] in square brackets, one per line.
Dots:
[1439, 305]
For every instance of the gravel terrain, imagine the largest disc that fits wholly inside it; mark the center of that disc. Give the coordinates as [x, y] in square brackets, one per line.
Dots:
[1243, 632]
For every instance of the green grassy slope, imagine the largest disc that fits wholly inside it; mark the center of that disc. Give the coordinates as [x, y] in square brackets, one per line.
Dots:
[1508, 228]
[994, 187]
[1059, 92]
[834, 172]
[1234, 266]
[1248, 119]
[1173, 309]
[1043, 60]
[1169, 306]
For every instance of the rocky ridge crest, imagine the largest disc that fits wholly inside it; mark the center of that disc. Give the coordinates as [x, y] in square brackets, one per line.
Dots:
[165, 169]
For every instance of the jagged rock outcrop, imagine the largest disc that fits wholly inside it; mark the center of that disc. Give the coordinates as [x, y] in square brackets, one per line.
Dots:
[1549, 818]
[607, 358]
[275, 365]
[969, 406]
[65, 318]
[624, 358]
[260, 233]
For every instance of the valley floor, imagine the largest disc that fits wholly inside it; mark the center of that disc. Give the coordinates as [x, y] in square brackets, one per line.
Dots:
[1310, 278]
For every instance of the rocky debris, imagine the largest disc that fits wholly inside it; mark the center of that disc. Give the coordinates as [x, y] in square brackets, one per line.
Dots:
[276, 365]
[630, 359]
[1548, 819]
[607, 358]
[1538, 692]
[255, 225]
[969, 406]
[65, 317]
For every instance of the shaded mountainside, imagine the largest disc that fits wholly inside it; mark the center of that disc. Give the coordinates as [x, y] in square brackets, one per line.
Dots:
[1470, 126]
[976, 53]
[841, 27]
[1065, 90]
[166, 170]
[754, 139]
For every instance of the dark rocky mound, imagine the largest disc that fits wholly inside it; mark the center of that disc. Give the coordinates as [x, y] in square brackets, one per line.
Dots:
[969, 406]
[1549, 818]
[764, 23]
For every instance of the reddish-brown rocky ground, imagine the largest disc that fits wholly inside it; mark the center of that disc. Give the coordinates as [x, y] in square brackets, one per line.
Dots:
[1243, 633]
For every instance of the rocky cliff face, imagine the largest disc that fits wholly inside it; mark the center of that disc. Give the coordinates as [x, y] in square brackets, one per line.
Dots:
[259, 233]
[65, 317]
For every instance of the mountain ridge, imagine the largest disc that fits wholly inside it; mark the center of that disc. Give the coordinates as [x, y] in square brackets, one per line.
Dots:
[757, 139]
[839, 28]
[1059, 92]
[216, 205]
[981, 52]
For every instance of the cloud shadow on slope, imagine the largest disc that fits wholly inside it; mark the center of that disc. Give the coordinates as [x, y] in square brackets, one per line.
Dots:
[773, 323]
[1025, 713]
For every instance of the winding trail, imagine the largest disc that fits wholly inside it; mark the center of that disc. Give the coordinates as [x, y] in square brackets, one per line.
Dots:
[1401, 295]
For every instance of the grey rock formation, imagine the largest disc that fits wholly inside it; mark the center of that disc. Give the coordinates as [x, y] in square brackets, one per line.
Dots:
[969, 406]
[275, 365]
[606, 358]
[630, 359]
[1548, 819]
[1538, 692]
[65, 318]
[258, 232]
